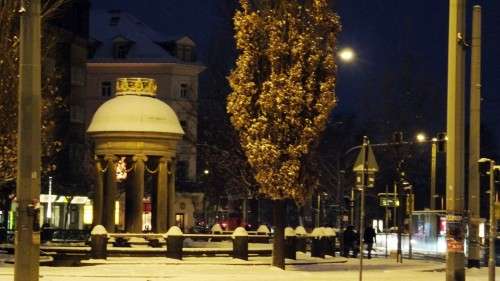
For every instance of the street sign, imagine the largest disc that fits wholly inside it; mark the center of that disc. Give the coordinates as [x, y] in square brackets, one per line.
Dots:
[389, 200]
[370, 179]
[372, 162]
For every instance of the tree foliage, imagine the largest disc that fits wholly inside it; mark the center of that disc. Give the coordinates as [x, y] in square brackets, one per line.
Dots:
[51, 98]
[283, 89]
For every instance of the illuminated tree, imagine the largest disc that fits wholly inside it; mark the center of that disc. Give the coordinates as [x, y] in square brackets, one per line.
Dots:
[283, 90]
[52, 102]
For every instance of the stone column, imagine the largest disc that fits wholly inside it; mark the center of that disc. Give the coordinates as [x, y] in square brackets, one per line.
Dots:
[108, 217]
[97, 214]
[159, 199]
[171, 192]
[134, 205]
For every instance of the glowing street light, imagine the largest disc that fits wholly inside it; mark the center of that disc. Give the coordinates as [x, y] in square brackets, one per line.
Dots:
[206, 171]
[421, 137]
[347, 54]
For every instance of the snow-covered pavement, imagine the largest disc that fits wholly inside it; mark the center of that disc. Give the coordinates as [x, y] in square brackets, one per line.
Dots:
[225, 268]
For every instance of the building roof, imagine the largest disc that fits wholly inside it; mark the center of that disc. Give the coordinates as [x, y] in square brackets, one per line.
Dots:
[133, 113]
[108, 27]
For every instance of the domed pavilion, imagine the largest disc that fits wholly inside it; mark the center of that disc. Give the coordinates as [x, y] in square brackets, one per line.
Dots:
[134, 133]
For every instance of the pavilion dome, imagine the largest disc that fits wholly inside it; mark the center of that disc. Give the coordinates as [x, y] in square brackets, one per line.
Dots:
[135, 109]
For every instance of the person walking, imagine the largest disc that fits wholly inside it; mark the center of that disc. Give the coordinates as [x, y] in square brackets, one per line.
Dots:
[369, 238]
[349, 239]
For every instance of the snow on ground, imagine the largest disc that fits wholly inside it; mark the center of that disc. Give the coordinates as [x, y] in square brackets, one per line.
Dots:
[226, 268]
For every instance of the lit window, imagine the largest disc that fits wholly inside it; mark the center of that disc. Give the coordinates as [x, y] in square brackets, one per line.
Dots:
[106, 89]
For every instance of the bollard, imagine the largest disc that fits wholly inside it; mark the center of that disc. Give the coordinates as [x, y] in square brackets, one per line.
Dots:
[216, 229]
[240, 243]
[174, 243]
[263, 230]
[300, 239]
[290, 241]
[317, 243]
[99, 242]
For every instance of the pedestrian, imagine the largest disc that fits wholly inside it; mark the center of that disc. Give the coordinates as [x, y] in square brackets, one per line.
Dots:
[369, 238]
[348, 238]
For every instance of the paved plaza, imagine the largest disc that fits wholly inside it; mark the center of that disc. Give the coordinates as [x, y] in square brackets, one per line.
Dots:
[256, 269]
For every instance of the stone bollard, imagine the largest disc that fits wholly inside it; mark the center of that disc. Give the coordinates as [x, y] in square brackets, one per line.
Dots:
[317, 243]
[240, 243]
[99, 242]
[216, 229]
[301, 239]
[290, 241]
[174, 243]
[263, 230]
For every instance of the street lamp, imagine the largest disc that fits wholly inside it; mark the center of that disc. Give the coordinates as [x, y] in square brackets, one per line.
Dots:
[421, 137]
[347, 54]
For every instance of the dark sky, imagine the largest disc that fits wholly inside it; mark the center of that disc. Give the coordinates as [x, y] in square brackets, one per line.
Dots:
[383, 33]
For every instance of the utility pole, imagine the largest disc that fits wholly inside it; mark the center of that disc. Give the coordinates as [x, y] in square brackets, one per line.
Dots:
[455, 150]
[474, 140]
[27, 241]
[364, 181]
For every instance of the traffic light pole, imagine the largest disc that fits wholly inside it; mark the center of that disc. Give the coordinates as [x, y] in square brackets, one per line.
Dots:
[27, 240]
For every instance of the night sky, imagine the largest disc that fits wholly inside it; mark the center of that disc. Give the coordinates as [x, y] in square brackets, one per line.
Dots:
[383, 33]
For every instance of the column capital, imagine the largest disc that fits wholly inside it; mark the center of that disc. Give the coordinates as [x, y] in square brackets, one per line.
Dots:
[139, 157]
[111, 158]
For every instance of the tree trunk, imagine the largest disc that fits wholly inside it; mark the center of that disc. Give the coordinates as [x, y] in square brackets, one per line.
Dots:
[279, 234]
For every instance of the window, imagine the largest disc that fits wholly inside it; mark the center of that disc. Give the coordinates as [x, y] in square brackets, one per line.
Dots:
[185, 53]
[120, 50]
[76, 114]
[77, 76]
[106, 89]
[184, 91]
[182, 170]
[184, 125]
[114, 21]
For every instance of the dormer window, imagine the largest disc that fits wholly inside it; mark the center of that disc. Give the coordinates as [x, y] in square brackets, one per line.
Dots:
[185, 52]
[114, 21]
[120, 51]
[121, 47]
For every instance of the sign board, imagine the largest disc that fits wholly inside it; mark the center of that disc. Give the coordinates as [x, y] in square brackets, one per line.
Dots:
[389, 200]
[370, 181]
[372, 165]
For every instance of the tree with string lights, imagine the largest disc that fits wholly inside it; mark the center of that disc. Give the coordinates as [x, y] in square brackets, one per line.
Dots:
[283, 94]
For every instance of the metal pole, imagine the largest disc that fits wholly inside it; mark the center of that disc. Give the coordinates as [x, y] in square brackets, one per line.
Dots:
[49, 203]
[352, 206]
[493, 225]
[433, 174]
[362, 205]
[410, 224]
[455, 144]
[27, 246]
[474, 140]
[318, 210]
